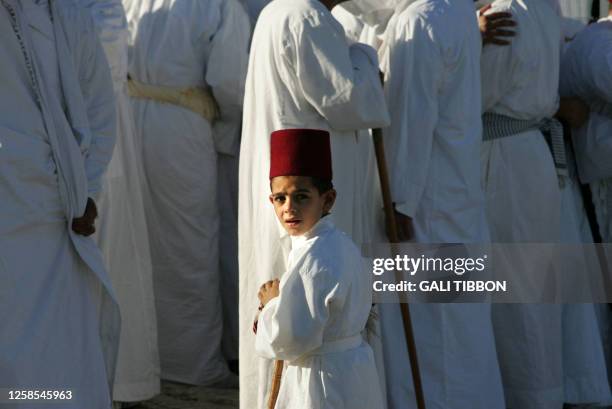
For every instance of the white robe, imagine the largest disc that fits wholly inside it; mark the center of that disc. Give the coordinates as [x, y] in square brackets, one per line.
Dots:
[587, 73]
[523, 198]
[184, 44]
[60, 320]
[302, 74]
[122, 229]
[432, 66]
[227, 134]
[315, 325]
[586, 379]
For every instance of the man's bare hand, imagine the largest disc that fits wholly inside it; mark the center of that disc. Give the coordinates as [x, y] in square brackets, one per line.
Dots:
[85, 225]
[405, 230]
[268, 291]
[494, 27]
[573, 111]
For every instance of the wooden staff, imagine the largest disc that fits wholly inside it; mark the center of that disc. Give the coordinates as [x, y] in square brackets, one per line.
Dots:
[276, 381]
[394, 239]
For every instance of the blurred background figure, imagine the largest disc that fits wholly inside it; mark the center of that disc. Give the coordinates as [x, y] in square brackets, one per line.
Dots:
[122, 233]
[578, 13]
[187, 63]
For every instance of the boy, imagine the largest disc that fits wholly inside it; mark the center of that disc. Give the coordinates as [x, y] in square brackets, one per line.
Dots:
[313, 317]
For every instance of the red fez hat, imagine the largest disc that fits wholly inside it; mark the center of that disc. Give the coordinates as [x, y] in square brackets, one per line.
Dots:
[300, 152]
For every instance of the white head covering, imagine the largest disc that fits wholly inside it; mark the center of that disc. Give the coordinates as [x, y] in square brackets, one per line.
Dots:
[376, 13]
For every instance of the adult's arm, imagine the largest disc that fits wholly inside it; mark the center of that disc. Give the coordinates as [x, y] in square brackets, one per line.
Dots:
[226, 72]
[98, 94]
[339, 81]
[415, 72]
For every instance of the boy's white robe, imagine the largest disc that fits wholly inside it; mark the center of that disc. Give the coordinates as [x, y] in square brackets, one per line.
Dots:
[122, 229]
[59, 319]
[302, 74]
[431, 60]
[186, 43]
[315, 325]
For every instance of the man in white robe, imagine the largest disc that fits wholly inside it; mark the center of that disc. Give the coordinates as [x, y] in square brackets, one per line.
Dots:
[432, 69]
[520, 85]
[584, 363]
[302, 74]
[57, 132]
[191, 54]
[588, 76]
[122, 229]
[586, 73]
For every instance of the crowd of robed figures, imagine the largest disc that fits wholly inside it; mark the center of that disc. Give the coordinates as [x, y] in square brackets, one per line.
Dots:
[199, 90]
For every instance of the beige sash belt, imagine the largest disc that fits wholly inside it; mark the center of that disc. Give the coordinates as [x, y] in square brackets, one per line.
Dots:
[196, 99]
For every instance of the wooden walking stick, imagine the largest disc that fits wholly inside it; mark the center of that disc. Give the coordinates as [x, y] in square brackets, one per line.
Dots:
[394, 239]
[276, 381]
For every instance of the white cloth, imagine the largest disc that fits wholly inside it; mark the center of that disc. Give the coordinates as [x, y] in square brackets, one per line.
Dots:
[579, 10]
[523, 198]
[303, 70]
[315, 325]
[358, 31]
[432, 65]
[122, 230]
[182, 44]
[587, 73]
[584, 364]
[60, 320]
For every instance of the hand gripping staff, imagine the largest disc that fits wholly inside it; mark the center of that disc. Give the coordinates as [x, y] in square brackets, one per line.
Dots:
[394, 240]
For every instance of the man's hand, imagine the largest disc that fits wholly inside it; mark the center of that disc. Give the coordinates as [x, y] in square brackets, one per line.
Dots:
[268, 291]
[85, 225]
[493, 27]
[405, 230]
[573, 111]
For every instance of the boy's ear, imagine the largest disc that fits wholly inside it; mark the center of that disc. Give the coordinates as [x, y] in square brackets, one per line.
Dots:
[329, 198]
[271, 198]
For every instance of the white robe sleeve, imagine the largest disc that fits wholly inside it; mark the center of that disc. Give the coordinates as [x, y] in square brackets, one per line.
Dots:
[342, 83]
[292, 324]
[98, 94]
[226, 73]
[414, 79]
[229, 58]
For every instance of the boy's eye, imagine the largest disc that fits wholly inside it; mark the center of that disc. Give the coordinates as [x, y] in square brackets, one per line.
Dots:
[301, 196]
[279, 199]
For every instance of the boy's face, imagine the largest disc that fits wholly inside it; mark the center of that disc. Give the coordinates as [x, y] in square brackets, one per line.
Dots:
[298, 204]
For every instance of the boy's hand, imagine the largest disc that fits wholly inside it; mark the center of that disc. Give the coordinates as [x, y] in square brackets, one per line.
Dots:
[268, 291]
